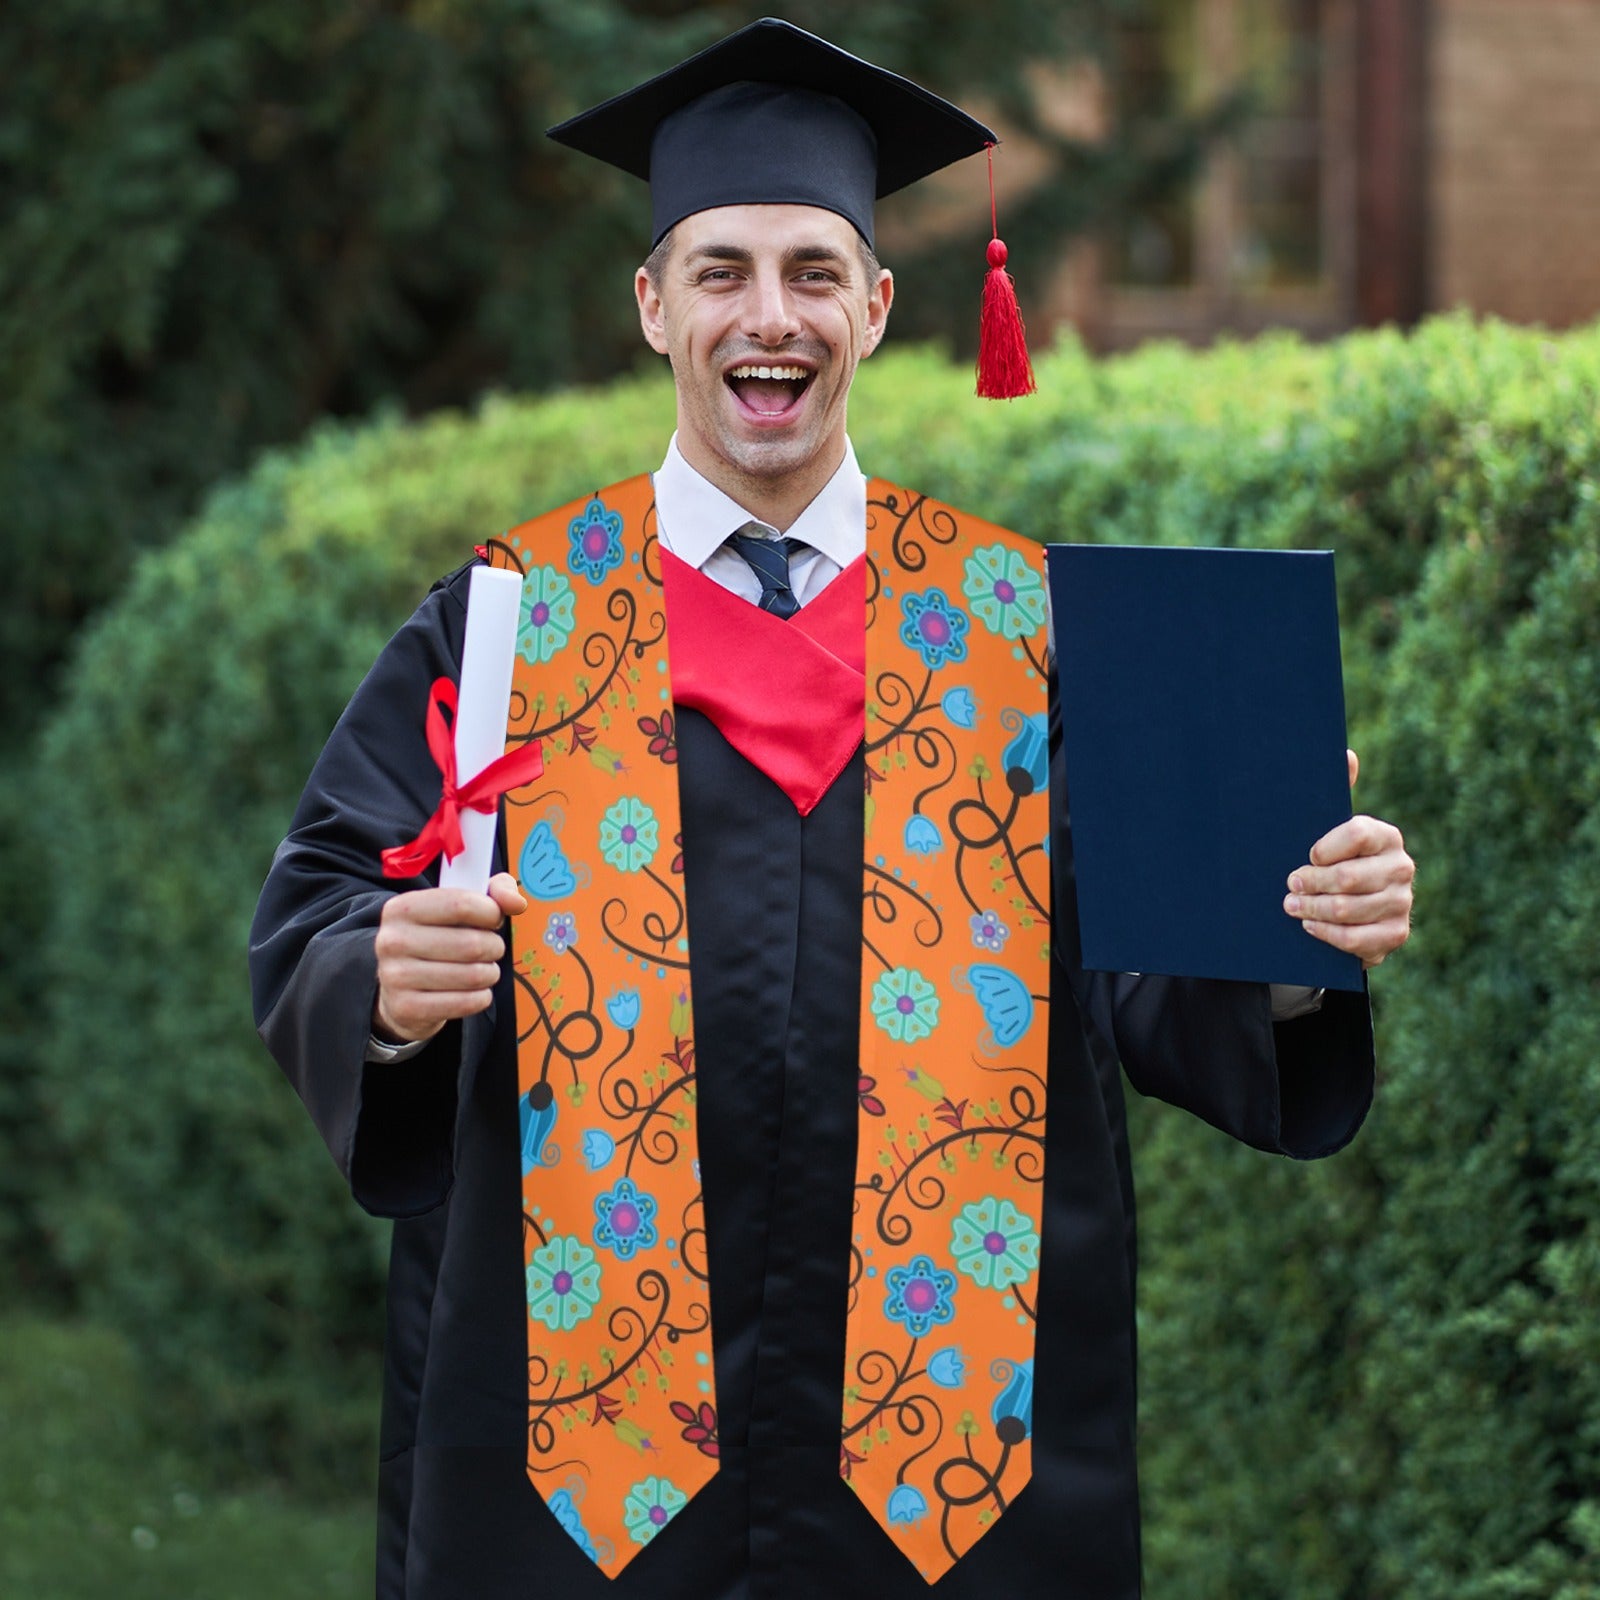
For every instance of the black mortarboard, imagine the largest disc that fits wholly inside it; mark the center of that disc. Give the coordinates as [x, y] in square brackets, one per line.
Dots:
[774, 115]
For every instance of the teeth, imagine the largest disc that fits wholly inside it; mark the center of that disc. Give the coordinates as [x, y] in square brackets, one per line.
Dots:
[797, 374]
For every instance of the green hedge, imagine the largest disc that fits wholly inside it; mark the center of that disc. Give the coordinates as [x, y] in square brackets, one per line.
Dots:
[1371, 1378]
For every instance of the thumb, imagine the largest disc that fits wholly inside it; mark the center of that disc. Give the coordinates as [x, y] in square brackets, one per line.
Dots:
[1354, 762]
[504, 892]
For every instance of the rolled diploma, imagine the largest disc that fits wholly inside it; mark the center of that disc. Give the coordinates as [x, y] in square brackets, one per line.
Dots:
[494, 608]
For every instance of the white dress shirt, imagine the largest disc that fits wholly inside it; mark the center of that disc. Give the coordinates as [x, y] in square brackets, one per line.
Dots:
[694, 518]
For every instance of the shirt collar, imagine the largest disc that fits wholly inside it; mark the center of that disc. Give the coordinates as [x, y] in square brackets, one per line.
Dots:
[694, 517]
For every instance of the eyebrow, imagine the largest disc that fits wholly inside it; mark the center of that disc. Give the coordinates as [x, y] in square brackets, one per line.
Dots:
[796, 255]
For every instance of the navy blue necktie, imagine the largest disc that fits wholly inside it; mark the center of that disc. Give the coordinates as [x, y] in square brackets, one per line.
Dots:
[769, 560]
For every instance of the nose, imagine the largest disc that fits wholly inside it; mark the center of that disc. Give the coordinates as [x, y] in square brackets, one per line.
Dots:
[771, 320]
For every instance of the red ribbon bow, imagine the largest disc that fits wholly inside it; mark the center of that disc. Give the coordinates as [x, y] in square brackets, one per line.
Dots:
[442, 831]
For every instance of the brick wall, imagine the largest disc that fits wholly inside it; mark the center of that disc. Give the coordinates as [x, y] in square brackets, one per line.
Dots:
[1514, 160]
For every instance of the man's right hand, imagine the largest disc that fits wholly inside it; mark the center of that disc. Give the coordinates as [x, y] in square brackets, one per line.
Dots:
[438, 957]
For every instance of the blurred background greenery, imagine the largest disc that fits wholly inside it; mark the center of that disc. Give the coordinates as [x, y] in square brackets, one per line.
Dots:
[295, 307]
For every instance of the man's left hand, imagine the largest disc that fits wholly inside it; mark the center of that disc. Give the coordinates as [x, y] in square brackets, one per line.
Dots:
[1355, 893]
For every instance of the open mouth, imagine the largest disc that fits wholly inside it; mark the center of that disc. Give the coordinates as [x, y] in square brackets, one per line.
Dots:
[769, 391]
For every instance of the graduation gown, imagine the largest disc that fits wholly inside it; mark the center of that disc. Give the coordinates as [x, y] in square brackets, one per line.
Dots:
[774, 901]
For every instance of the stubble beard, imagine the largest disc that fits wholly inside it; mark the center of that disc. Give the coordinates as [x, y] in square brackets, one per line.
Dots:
[784, 454]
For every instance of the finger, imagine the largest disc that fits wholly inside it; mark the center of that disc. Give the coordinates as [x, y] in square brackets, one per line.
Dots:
[1360, 836]
[435, 977]
[413, 1015]
[431, 942]
[1357, 875]
[1371, 942]
[1353, 761]
[1387, 904]
[507, 893]
[446, 908]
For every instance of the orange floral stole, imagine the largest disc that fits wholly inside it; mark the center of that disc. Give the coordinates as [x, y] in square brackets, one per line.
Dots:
[937, 1389]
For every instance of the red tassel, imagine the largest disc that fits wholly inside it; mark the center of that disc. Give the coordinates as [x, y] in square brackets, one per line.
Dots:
[1004, 370]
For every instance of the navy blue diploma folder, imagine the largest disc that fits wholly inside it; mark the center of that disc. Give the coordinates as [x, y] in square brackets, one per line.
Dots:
[1202, 712]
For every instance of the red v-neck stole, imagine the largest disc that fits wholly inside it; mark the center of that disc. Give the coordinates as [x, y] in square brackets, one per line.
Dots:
[789, 696]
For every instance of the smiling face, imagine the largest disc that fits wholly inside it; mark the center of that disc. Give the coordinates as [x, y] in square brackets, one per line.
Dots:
[764, 311]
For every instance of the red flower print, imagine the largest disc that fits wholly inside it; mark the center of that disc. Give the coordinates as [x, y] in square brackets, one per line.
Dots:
[662, 735]
[699, 1427]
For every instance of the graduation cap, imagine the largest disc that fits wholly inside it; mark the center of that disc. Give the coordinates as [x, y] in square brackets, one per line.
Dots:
[773, 115]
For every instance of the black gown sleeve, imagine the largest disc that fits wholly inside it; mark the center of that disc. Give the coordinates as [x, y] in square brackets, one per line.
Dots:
[313, 966]
[1300, 1088]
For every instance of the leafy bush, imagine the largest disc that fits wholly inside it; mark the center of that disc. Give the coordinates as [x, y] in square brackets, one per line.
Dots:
[1375, 1377]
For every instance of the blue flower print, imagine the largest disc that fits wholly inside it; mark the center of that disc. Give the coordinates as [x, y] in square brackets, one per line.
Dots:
[988, 931]
[920, 1296]
[650, 1506]
[1012, 1410]
[625, 1219]
[905, 1005]
[546, 619]
[596, 537]
[1006, 590]
[1004, 999]
[1026, 761]
[959, 705]
[624, 1007]
[934, 628]
[907, 1504]
[536, 1117]
[565, 1510]
[948, 1367]
[923, 836]
[563, 1283]
[629, 835]
[561, 932]
[544, 870]
[598, 1148]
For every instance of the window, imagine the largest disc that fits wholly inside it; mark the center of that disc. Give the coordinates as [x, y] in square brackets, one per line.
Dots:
[1264, 236]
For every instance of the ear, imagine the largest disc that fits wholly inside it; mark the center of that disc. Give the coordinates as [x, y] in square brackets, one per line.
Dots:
[652, 315]
[879, 300]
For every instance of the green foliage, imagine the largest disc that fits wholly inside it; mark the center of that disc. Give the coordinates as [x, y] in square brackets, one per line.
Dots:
[1388, 1387]
[1370, 1379]
[95, 1500]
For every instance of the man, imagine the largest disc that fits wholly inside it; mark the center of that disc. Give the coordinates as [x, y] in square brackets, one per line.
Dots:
[744, 1128]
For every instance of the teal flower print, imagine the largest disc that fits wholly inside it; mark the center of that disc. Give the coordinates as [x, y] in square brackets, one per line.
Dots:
[596, 537]
[563, 1283]
[650, 1506]
[547, 619]
[628, 835]
[905, 1005]
[994, 1243]
[1006, 591]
